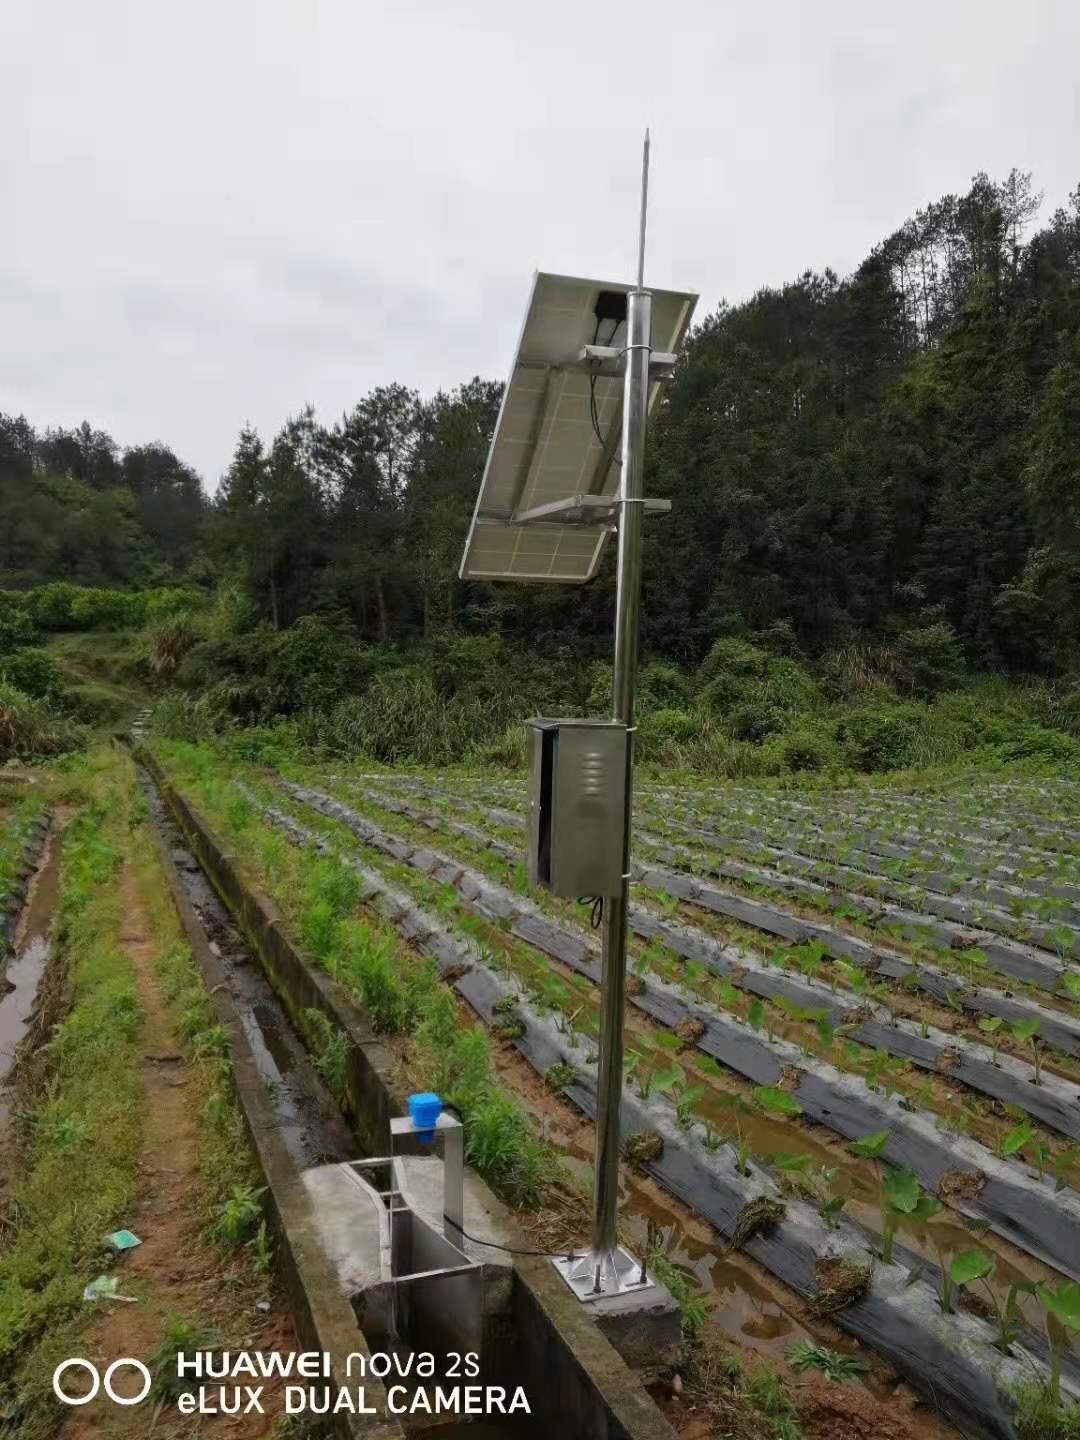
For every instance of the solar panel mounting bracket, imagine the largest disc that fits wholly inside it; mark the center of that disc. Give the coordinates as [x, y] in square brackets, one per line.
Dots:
[608, 360]
[584, 510]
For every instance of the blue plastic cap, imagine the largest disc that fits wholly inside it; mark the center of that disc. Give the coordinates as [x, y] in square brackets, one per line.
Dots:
[425, 1110]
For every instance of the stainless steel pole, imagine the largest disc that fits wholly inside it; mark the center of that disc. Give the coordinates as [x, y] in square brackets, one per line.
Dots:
[624, 686]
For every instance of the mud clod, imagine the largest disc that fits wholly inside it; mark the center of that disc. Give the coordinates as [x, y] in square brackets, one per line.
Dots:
[839, 1282]
[961, 1184]
[641, 1148]
[690, 1031]
[756, 1216]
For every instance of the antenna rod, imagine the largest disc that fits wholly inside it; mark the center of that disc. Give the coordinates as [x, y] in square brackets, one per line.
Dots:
[644, 209]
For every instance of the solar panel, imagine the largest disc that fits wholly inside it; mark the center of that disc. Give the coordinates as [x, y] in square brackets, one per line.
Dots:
[557, 437]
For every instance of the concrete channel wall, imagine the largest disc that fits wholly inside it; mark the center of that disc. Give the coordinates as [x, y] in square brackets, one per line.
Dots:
[543, 1339]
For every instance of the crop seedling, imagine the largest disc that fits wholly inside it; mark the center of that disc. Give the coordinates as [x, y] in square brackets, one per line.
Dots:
[1027, 1031]
[991, 1026]
[1061, 1308]
[738, 1107]
[636, 1068]
[775, 1101]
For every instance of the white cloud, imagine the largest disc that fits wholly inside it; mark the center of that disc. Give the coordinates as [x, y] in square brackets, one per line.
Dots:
[214, 213]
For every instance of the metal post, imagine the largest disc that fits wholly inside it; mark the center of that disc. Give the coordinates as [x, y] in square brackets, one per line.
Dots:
[607, 1269]
[627, 605]
[605, 1259]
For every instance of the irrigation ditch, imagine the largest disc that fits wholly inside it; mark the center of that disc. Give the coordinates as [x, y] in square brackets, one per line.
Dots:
[25, 938]
[898, 1314]
[266, 993]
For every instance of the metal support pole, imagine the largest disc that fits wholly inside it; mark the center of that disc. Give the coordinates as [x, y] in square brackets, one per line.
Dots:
[607, 1269]
[627, 605]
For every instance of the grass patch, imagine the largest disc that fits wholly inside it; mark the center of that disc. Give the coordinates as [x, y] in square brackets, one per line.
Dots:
[398, 989]
[79, 1137]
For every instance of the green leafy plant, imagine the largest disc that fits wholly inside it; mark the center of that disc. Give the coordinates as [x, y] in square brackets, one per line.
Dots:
[1061, 1308]
[803, 1355]
[179, 1337]
[991, 1026]
[237, 1216]
[775, 1101]
[1027, 1031]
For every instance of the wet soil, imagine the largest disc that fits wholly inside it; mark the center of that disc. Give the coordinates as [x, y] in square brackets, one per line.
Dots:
[175, 1271]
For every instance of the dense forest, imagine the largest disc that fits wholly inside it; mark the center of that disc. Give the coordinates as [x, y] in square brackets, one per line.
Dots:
[883, 467]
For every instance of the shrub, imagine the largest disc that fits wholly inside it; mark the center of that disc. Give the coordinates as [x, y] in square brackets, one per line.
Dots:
[736, 673]
[16, 626]
[664, 728]
[183, 717]
[314, 663]
[105, 610]
[599, 701]
[510, 750]
[50, 605]
[755, 720]
[34, 672]
[732, 657]
[272, 745]
[932, 656]
[29, 727]
[663, 687]
[167, 639]
[883, 737]
[803, 750]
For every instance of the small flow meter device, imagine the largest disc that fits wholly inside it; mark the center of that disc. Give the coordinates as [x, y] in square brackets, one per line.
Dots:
[577, 789]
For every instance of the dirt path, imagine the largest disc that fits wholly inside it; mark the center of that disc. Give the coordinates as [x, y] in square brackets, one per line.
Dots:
[175, 1272]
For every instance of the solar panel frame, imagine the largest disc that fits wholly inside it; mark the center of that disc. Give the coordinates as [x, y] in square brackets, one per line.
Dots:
[544, 448]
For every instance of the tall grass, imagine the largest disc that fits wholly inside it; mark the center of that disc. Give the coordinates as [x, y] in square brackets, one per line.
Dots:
[80, 1134]
[29, 727]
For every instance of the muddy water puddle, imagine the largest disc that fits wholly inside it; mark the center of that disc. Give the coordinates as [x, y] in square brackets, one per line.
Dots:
[308, 1117]
[747, 1305]
[20, 980]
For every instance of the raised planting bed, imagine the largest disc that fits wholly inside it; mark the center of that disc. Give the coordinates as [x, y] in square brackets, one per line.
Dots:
[949, 1359]
[1011, 1198]
[1057, 1027]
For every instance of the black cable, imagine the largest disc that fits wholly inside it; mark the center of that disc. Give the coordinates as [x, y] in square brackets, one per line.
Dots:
[510, 1250]
[597, 912]
[494, 1244]
[594, 414]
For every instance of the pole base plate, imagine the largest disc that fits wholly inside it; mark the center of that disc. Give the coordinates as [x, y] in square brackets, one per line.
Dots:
[599, 1275]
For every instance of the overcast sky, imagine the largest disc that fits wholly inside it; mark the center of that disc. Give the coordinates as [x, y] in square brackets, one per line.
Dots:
[215, 211]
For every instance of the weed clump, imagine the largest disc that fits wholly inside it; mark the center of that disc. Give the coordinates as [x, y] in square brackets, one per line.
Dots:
[839, 1282]
[643, 1147]
[755, 1216]
[690, 1031]
[1038, 1416]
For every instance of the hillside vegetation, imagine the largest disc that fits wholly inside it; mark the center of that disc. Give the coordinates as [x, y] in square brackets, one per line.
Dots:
[872, 561]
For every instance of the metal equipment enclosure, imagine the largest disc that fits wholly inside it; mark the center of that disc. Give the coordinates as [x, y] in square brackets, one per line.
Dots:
[577, 774]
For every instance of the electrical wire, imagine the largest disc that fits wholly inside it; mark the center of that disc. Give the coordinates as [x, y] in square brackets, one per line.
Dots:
[570, 1254]
[597, 912]
[594, 413]
[511, 1250]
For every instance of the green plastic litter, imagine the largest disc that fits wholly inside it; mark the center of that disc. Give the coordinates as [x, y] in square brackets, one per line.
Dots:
[105, 1288]
[122, 1240]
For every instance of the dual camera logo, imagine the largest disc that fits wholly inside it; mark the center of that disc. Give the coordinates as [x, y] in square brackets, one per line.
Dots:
[97, 1381]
